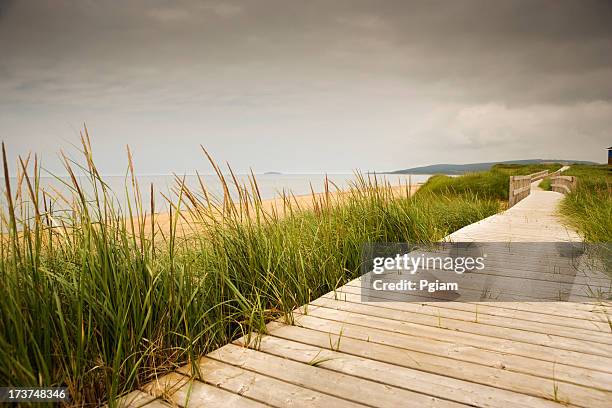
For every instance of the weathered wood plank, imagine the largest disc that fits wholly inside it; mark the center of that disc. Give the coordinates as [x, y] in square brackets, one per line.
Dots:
[135, 399]
[493, 377]
[180, 390]
[390, 300]
[599, 324]
[262, 388]
[543, 339]
[157, 403]
[391, 374]
[503, 345]
[497, 359]
[309, 376]
[581, 311]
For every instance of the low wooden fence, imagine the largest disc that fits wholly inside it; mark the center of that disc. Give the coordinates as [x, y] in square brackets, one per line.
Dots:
[520, 186]
[519, 189]
[539, 175]
[557, 172]
[563, 184]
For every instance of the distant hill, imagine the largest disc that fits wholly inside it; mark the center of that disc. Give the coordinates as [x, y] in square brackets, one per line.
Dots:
[464, 168]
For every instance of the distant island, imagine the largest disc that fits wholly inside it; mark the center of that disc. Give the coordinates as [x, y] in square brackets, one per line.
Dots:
[276, 173]
[464, 168]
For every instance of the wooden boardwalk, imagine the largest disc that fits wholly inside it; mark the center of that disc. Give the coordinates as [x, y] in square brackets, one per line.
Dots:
[343, 352]
[533, 219]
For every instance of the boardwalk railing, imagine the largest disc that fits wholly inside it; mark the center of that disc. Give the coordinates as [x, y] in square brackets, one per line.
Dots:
[557, 172]
[539, 175]
[563, 184]
[521, 185]
[519, 189]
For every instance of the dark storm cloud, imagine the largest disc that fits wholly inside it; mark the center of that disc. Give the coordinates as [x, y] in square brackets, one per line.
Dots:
[461, 73]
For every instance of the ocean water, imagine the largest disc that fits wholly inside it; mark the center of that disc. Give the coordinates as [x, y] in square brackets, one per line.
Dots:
[165, 186]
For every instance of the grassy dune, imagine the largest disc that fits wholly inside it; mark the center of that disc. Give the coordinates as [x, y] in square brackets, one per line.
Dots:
[94, 302]
[492, 184]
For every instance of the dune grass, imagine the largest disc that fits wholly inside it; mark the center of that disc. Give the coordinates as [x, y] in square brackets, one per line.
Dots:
[93, 301]
[492, 184]
[589, 208]
[545, 184]
[486, 184]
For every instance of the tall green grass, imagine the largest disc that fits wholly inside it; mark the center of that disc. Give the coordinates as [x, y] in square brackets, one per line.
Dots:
[545, 184]
[487, 184]
[589, 208]
[100, 299]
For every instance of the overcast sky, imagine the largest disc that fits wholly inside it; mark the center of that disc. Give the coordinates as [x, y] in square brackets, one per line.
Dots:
[307, 86]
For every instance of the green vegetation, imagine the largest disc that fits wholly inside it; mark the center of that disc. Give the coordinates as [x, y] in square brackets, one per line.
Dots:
[523, 170]
[545, 184]
[487, 184]
[492, 184]
[101, 300]
[589, 208]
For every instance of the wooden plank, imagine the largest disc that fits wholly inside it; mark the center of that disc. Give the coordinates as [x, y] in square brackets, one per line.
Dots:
[559, 276]
[496, 359]
[423, 297]
[593, 315]
[476, 340]
[543, 339]
[262, 388]
[492, 234]
[135, 399]
[394, 376]
[553, 310]
[493, 377]
[561, 188]
[496, 233]
[582, 310]
[353, 294]
[604, 336]
[592, 311]
[521, 190]
[157, 403]
[538, 175]
[180, 390]
[309, 376]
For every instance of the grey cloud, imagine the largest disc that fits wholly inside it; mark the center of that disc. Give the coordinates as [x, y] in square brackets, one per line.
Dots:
[5, 5]
[404, 71]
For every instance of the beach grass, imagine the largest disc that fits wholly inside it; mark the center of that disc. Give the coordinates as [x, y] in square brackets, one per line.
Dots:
[98, 298]
[588, 209]
[545, 184]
